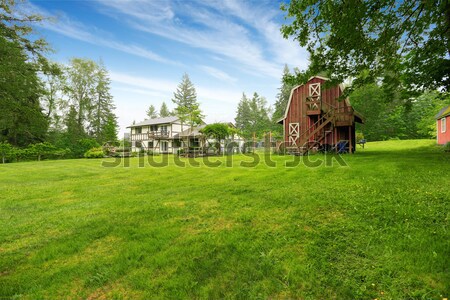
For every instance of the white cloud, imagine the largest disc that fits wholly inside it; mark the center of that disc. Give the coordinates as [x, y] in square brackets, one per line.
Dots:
[62, 24]
[221, 75]
[199, 27]
[159, 87]
[145, 83]
[262, 19]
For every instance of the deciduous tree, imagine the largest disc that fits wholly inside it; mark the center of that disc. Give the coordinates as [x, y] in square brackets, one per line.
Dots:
[218, 131]
[402, 43]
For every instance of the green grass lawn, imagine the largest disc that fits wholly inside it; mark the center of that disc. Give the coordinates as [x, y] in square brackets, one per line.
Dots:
[377, 228]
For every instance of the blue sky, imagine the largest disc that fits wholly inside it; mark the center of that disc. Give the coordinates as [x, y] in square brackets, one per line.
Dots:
[227, 48]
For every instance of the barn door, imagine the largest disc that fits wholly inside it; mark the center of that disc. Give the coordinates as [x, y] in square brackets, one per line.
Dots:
[294, 130]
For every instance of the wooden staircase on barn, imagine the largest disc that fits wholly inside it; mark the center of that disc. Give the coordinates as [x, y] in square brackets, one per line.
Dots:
[303, 143]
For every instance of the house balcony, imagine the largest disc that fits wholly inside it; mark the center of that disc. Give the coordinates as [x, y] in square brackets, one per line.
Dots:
[152, 135]
[313, 107]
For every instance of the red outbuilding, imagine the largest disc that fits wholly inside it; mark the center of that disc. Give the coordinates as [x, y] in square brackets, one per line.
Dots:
[443, 130]
[316, 119]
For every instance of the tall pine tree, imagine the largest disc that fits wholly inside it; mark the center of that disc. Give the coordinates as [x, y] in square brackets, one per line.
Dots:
[151, 112]
[281, 101]
[164, 111]
[101, 116]
[21, 119]
[243, 116]
[187, 106]
[253, 116]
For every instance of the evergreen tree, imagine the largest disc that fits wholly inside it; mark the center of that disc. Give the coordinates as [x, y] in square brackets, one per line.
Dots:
[164, 111]
[88, 95]
[282, 101]
[187, 107]
[101, 115]
[21, 119]
[260, 115]
[253, 116]
[109, 130]
[151, 112]
[242, 119]
[74, 132]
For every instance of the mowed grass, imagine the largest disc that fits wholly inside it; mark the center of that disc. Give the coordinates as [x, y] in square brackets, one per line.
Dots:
[377, 228]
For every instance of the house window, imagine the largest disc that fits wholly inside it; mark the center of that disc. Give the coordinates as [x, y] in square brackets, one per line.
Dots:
[138, 130]
[164, 146]
[164, 129]
[150, 144]
[154, 128]
[443, 125]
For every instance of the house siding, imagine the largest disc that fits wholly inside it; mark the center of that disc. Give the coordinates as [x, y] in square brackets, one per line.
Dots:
[144, 139]
[443, 137]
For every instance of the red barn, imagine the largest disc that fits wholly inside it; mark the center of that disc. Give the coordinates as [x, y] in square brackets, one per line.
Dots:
[315, 119]
[443, 121]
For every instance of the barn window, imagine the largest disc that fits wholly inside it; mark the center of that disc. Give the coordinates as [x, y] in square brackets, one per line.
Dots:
[314, 90]
[443, 125]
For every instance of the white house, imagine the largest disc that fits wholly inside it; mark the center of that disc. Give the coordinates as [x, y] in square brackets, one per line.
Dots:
[160, 135]
[168, 135]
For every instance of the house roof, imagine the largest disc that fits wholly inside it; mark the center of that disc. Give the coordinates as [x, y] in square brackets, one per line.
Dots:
[192, 132]
[443, 112]
[156, 121]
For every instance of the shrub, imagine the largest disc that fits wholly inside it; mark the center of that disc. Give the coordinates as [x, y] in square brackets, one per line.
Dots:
[359, 136]
[23, 154]
[5, 151]
[447, 147]
[96, 152]
[42, 149]
[82, 146]
[152, 153]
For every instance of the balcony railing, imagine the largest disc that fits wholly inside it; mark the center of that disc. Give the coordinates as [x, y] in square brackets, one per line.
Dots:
[150, 135]
[313, 107]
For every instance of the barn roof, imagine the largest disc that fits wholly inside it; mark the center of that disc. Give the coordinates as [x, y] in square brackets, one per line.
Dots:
[156, 121]
[443, 112]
